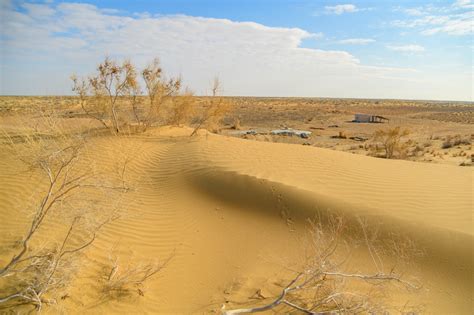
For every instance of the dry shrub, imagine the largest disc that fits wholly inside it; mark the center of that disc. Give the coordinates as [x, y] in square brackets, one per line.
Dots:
[113, 96]
[38, 273]
[100, 94]
[390, 142]
[341, 135]
[160, 91]
[451, 141]
[119, 280]
[417, 149]
[321, 285]
[214, 110]
[236, 124]
[181, 109]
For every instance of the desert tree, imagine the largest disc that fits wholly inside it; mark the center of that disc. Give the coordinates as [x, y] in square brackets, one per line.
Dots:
[215, 108]
[391, 142]
[41, 265]
[321, 285]
[114, 93]
[101, 93]
[159, 91]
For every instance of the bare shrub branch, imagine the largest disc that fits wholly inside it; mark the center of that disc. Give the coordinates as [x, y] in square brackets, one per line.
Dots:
[215, 108]
[99, 95]
[119, 280]
[159, 91]
[319, 287]
[34, 275]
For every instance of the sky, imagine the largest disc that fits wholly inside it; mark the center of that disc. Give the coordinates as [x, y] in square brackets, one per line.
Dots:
[307, 48]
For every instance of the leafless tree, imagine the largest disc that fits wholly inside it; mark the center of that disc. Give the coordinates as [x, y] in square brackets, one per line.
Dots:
[100, 94]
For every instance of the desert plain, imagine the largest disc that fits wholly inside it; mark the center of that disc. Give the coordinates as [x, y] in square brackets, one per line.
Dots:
[225, 219]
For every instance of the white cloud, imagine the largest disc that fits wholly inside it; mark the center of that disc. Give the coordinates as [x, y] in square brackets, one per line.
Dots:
[414, 11]
[341, 8]
[53, 41]
[425, 21]
[456, 20]
[407, 48]
[465, 4]
[356, 41]
[38, 10]
[462, 24]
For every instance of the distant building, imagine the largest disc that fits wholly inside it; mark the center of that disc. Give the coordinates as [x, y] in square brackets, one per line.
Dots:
[365, 118]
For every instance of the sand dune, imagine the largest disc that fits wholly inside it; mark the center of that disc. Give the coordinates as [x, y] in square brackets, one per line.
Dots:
[233, 212]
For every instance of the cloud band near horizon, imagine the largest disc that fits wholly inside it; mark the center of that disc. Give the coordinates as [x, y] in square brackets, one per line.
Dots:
[43, 44]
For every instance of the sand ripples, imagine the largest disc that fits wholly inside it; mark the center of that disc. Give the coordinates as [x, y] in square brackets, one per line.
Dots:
[218, 205]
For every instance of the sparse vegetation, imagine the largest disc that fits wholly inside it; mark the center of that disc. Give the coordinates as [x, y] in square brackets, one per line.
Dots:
[38, 274]
[454, 141]
[115, 98]
[182, 109]
[390, 141]
[214, 110]
[341, 135]
[160, 92]
[417, 150]
[235, 124]
[321, 286]
[76, 228]
[118, 280]
[100, 94]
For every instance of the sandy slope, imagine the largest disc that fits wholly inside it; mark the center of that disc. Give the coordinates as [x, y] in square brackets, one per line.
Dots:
[232, 213]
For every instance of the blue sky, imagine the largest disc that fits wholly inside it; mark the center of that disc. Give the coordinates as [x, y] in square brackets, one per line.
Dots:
[366, 49]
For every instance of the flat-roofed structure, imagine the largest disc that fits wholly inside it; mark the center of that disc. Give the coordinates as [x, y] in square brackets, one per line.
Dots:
[366, 118]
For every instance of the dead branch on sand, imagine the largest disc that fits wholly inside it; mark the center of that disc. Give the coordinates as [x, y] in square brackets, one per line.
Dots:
[320, 287]
[36, 274]
[118, 280]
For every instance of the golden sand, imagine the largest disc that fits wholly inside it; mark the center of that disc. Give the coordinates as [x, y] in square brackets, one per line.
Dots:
[232, 215]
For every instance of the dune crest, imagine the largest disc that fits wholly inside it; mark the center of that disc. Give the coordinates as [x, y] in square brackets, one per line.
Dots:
[231, 211]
